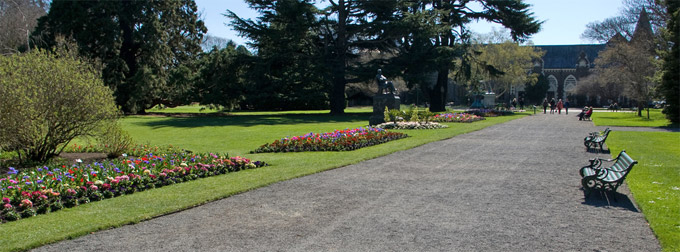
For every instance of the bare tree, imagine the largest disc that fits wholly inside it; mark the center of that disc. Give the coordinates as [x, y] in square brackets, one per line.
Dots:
[624, 24]
[18, 18]
[592, 87]
[631, 64]
[210, 41]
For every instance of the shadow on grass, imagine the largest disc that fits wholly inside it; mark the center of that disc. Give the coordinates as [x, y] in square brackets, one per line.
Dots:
[254, 120]
[609, 200]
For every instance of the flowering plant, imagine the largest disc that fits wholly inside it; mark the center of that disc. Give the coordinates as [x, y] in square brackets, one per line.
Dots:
[411, 125]
[338, 140]
[456, 117]
[44, 189]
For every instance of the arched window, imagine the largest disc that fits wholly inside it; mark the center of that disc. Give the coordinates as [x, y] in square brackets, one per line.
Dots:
[570, 83]
[553, 83]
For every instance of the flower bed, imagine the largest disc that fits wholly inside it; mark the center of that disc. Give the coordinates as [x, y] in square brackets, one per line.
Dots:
[27, 193]
[411, 125]
[457, 117]
[339, 140]
[489, 112]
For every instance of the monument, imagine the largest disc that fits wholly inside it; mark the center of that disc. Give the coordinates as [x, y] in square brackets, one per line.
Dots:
[386, 97]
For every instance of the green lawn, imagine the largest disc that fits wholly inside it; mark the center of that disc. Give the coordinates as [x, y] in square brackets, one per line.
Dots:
[200, 109]
[655, 180]
[656, 119]
[235, 135]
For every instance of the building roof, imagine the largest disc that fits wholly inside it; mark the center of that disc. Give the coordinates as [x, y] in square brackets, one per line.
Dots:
[567, 56]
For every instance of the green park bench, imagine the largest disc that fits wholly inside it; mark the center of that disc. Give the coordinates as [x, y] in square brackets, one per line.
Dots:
[595, 139]
[606, 179]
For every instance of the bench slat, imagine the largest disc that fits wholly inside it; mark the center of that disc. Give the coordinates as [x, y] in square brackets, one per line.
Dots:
[612, 175]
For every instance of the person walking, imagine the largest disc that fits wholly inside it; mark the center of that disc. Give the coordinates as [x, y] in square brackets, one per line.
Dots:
[552, 105]
[514, 103]
[566, 106]
[560, 105]
[521, 103]
[545, 104]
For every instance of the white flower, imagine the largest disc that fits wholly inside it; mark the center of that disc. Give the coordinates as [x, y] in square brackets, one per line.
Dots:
[79, 160]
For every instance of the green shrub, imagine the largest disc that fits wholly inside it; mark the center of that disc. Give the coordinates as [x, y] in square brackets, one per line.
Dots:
[46, 100]
[114, 140]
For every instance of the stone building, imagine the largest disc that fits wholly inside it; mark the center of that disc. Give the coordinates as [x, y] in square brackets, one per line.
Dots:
[565, 65]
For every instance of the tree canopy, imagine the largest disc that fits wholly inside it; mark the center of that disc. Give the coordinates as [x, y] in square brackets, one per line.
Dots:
[144, 46]
[436, 34]
[501, 62]
[670, 82]
[287, 70]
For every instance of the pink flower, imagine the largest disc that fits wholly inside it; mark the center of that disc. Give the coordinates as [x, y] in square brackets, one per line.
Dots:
[7, 206]
[26, 203]
[5, 200]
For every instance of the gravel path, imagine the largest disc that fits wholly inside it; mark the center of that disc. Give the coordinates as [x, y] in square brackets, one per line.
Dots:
[509, 187]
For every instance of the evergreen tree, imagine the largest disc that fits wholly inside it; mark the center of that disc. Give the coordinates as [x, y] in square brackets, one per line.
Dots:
[437, 34]
[221, 82]
[287, 70]
[535, 93]
[350, 27]
[670, 83]
[146, 48]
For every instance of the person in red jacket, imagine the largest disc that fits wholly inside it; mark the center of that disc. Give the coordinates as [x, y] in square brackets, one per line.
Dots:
[560, 105]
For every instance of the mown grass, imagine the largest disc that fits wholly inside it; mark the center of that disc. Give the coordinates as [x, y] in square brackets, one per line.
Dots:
[655, 180]
[630, 119]
[235, 135]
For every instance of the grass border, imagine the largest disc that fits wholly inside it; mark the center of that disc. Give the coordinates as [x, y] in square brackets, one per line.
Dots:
[74, 222]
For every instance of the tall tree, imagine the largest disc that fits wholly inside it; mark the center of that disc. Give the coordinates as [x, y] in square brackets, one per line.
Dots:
[18, 18]
[631, 64]
[287, 70]
[670, 83]
[146, 47]
[220, 82]
[350, 27]
[496, 53]
[437, 34]
[625, 22]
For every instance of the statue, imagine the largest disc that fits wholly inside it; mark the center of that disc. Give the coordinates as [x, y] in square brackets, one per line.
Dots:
[383, 84]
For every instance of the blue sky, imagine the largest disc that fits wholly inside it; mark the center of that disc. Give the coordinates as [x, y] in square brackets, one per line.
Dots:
[565, 20]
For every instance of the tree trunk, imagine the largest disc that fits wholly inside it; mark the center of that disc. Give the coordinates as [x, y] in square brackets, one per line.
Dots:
[639, 109]
[647, 112]
[127, 53]
[337, 99]
[438, 93]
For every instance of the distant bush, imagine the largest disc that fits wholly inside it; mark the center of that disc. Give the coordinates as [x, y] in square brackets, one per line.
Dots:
[46, 100]
[114, 140]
